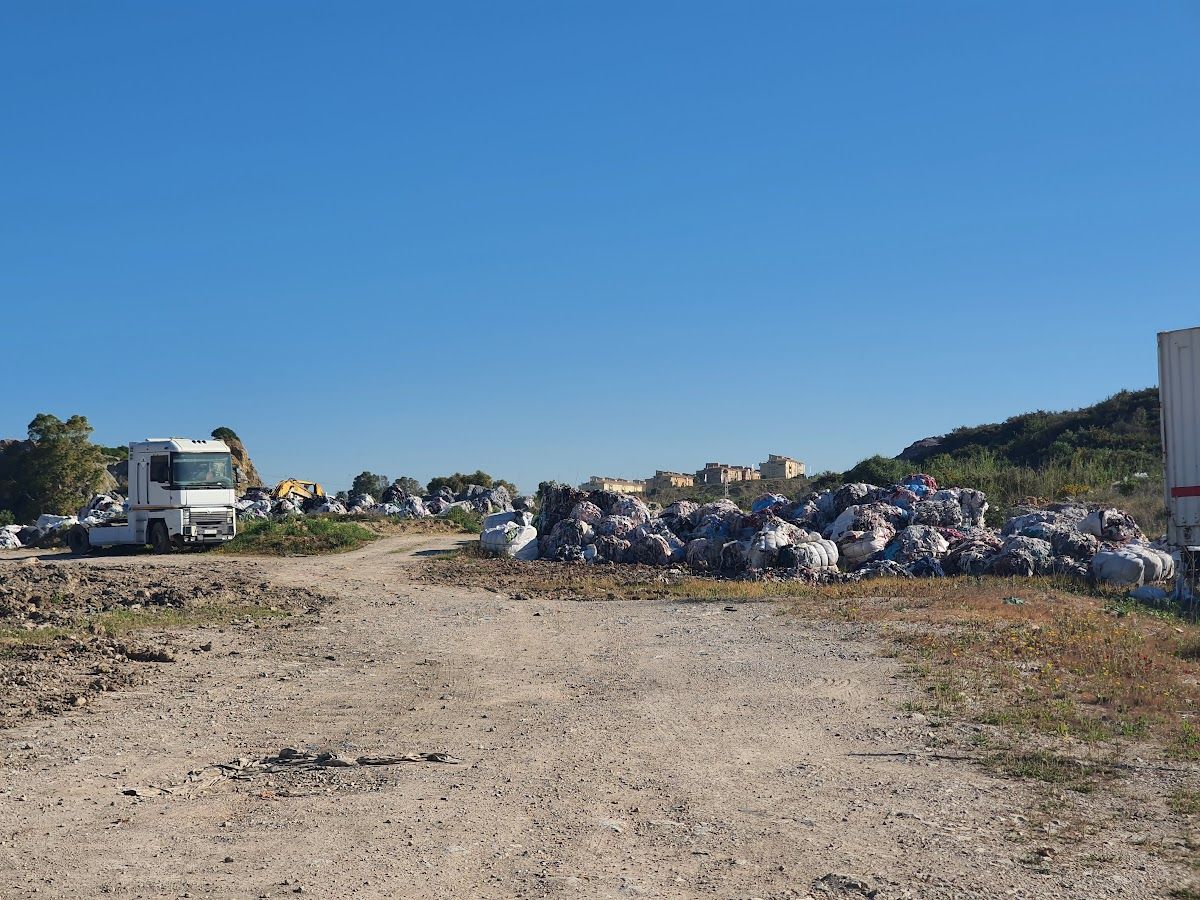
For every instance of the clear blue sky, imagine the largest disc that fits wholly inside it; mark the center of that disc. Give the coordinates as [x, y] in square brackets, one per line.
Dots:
[559, 238]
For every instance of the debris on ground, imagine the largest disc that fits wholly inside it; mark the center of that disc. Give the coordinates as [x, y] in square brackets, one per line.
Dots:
[69, 633]
[910, 529]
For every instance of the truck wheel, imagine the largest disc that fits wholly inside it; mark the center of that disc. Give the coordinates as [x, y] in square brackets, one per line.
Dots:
[160, 541]
[77, 540]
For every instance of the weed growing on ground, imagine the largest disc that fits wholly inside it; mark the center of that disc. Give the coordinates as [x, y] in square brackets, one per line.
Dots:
[466, 519]
[1049, 767]
[117, 622]
[299, 536]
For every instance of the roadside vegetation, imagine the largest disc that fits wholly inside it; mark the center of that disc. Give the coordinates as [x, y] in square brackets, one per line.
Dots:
[467, 520]
[318, 534]
[299, 536]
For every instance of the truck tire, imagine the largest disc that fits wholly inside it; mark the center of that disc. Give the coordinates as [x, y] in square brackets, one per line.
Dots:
[77, 540]
[160, 540]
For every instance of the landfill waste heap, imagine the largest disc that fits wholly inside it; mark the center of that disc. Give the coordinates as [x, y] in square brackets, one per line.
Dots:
[395, 502]
[907, 530]
[257, 503]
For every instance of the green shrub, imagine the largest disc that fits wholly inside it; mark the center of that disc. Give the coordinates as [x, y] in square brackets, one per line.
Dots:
[466, 519]
[299, 536]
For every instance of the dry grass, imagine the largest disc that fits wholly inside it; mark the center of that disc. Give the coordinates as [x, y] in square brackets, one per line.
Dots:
[1049, 656]
[1052, 656]
[117, 622]
[1027, 654]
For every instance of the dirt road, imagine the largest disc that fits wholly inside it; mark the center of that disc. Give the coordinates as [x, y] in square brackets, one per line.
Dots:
[608, 749]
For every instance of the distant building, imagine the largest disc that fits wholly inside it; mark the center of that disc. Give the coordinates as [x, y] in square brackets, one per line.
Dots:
[664, 480]
[720, 473]
[616, 485]
[778, 466]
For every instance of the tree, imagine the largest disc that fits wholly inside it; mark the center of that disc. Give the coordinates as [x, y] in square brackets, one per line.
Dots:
[879, 470]
[409, 485]
[458, 482]
[368, 483]
[62, 468]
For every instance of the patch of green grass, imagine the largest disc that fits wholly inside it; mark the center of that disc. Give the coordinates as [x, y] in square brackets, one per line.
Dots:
[1185, 801]
[19, 637]
[299, 536]
[1184, 893]
[1187, 742]
[466, 519]
[1051, 768]
[120, 621]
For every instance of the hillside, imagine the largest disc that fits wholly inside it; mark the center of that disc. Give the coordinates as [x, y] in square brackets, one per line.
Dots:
[1110, 452]
[1125, 427]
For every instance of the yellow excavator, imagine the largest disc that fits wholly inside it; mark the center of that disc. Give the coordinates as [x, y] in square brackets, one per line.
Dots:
[297, 489]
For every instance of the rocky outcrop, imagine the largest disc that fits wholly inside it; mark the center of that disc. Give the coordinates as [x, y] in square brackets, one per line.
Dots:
[243, 466]
[920, 450]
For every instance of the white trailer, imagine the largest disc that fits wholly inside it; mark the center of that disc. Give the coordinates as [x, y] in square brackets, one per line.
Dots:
[1179, 390]
[181, 492]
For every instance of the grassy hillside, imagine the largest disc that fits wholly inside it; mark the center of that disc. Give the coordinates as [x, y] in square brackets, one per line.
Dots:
[1110, 452]
[1124, 429]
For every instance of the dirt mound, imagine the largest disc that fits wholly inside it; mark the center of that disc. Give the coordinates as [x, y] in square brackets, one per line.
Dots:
[69, 632]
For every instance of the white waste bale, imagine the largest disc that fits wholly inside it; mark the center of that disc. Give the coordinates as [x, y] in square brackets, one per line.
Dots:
[632, 508]
[1165, 570]
[47, 522]
[1133, 565]
[1111, 525]
[1149, 593]
[1119, 567]
[868, 517]
[972, 504]
[775, 534]
[764, 549]
[819, 554]
[511, 540]
[843, 523]
[9, 539]
[414, 508]
[521, 517]
[856, 547]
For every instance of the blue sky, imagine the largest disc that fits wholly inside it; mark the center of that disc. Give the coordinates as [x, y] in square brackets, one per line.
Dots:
[553, 239]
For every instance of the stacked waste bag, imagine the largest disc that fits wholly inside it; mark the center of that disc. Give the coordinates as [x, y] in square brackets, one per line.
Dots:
[49, 531]
[258, 503]
[913, 529]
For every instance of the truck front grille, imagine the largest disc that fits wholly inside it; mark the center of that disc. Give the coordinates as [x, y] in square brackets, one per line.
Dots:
[208, 520]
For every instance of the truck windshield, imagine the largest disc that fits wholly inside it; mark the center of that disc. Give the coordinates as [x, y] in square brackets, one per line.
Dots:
[201, 470]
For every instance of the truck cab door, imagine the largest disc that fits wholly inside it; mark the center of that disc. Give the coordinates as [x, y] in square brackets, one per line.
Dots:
[159, 490]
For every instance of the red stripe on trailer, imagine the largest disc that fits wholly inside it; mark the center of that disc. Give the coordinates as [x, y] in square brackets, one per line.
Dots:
[1192, 490]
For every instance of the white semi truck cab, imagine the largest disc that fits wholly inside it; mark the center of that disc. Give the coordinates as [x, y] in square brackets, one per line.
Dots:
[181, 492]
